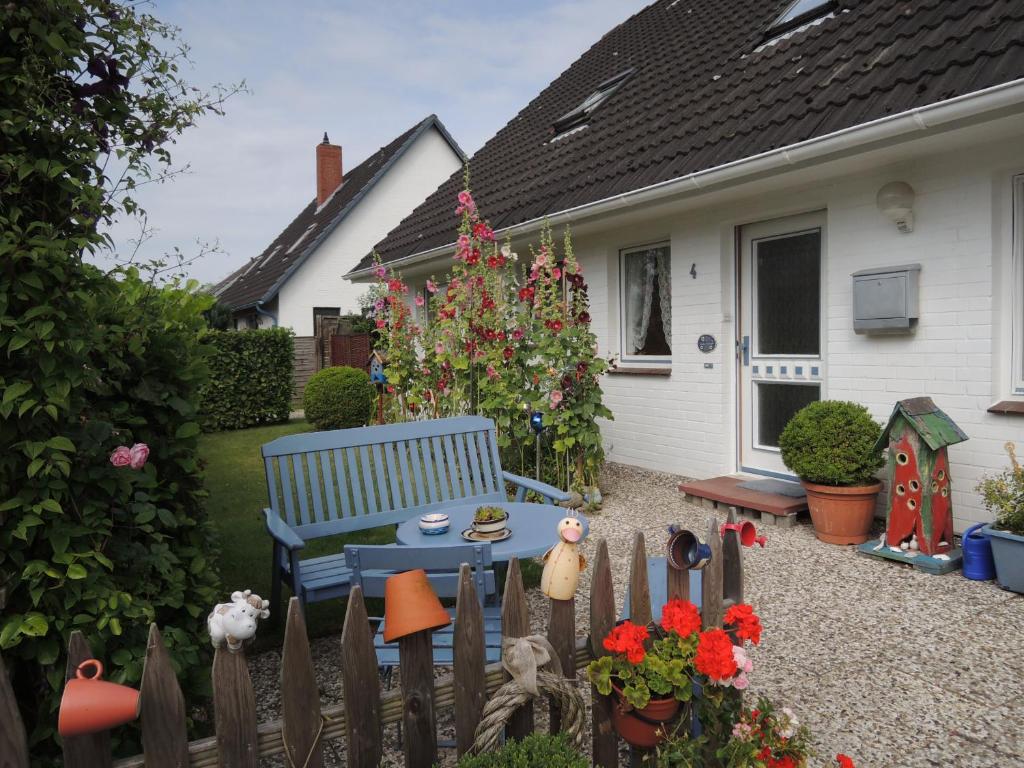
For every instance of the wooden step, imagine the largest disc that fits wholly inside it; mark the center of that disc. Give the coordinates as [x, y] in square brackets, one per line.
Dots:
[769, 508]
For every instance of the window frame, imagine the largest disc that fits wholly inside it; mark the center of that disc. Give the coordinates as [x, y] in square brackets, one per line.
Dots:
[580, 115]
[1017, 285]
[641, 360]
[780, 27]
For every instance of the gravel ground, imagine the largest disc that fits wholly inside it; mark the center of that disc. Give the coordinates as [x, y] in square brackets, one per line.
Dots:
[886, 664]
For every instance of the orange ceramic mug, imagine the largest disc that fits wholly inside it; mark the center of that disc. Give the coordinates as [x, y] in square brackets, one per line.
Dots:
[90, 704]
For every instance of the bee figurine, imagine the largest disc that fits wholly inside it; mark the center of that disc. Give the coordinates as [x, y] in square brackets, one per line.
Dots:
[563, 562]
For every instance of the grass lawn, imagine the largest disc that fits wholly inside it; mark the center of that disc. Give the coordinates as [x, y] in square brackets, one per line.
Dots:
[238, 494]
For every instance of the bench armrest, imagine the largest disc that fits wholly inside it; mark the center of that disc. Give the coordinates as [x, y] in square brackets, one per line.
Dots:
[281, 533]
[549, 492]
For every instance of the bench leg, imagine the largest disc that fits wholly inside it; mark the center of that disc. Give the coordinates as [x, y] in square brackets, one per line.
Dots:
[275, 583]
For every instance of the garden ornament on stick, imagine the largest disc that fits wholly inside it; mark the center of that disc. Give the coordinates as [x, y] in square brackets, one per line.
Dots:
[535, 670]
[563, 562]
[747, 533]
[687, 551]
[235, 622]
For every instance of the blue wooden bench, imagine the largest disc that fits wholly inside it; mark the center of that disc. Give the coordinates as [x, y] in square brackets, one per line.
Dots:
[327, 483]
[372, 565]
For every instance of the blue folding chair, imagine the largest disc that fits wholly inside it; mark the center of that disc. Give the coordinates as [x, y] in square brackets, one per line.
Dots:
[372, 565]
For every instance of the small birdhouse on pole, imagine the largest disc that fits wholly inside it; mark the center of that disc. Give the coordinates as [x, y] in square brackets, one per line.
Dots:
[375, 366]
[919, 516]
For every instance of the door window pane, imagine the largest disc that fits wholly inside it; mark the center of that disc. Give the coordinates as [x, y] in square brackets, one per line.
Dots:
[788, 276]
[777, 404]
[647, 302]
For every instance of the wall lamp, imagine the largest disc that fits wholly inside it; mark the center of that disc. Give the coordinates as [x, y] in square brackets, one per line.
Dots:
[896, 202]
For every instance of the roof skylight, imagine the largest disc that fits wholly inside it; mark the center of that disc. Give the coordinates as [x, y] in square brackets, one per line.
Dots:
[800, 12]
[581, 114]
[302, 237]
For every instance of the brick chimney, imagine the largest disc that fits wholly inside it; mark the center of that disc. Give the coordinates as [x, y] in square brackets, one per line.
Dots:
[328, 169]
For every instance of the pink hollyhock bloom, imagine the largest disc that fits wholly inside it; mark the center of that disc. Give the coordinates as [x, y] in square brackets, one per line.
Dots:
[439, 348]
[491, 373]
[137, 455]
[541, 260]
[380, 271]
[556, 273]
[419, 301]
[380, 323]
[378, 304]
[466, 200]
[431, 286]
[556, 398]
[121, 457]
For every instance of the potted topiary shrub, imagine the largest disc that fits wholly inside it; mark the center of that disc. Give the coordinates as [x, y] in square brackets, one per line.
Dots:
[830, 445]
[1004, 497]
[338, 398]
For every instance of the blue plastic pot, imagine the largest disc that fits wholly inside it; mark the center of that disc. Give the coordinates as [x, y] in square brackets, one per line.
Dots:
[978, 563]
[1008, 554]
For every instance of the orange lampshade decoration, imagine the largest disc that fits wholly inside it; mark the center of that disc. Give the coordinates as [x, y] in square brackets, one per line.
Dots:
[411, 605]
[90, 704]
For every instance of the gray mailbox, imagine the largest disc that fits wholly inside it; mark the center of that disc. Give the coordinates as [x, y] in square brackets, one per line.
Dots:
[885, 299]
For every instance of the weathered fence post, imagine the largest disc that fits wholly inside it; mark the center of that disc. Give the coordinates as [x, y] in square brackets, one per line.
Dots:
[469, 659]
[515, 622]
[732, 564]
[13, 744]
[93, 750]
[639, 587]
[234, 708]
[711, 579]
[363, 731]
[300, 696]
[562, 636]
[416, 665]
[162, 708]
[605, 744]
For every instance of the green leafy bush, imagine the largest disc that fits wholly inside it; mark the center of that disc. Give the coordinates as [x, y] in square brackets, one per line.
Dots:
[537, 749]
[1003, 494]
[251, 378]
[832, 443]
[338, 398]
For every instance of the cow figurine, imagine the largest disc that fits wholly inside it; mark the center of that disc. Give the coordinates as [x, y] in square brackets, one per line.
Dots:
[235, 622]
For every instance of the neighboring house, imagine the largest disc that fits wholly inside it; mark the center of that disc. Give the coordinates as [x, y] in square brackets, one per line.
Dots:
[720, 163]
[301, 274]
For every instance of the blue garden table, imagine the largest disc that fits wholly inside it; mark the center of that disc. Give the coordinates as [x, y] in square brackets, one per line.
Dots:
[534, 529]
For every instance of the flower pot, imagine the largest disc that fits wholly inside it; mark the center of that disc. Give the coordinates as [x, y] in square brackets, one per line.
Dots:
[1008, 553]
[492, 526]
[411, 605]
[643, 728]
[842, 515]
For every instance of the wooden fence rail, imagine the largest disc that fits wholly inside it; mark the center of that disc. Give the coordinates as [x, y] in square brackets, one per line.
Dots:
[305, 725]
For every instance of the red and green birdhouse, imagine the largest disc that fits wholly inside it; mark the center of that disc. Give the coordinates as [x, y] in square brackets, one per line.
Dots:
[920, 512]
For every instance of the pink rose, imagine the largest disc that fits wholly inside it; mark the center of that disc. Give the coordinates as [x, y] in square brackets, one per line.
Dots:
[138, 455]
[431, 286]
[121, 457]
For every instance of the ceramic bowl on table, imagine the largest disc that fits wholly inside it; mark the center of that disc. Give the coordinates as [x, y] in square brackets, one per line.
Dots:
[434, 524]
[496, 522]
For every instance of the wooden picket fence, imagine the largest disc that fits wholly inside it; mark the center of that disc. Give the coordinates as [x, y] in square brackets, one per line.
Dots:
[305, 724]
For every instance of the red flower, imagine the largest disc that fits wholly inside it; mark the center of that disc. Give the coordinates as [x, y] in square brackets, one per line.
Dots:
[748, 625]
[583, 318]
[844, 761]
[492, 262]
[554, 325]
[681, 617]
[714, 656]
[628, 638]
[508, 352]
[525, 294]
[782, 762]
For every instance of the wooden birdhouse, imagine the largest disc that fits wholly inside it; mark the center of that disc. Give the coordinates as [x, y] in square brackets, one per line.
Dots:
[919, 518]
[375, 366]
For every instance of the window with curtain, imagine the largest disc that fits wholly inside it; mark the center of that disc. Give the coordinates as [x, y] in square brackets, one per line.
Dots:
[646, 303]
[1017, 332]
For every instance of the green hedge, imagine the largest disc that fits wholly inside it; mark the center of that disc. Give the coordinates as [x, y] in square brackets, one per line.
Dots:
[537, 749]
[251, 379]
[338, 398]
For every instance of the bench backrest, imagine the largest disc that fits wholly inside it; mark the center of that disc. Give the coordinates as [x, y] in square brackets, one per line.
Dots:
[324, 483]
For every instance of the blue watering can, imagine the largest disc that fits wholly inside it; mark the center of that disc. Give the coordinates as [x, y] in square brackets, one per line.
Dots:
[978, 564]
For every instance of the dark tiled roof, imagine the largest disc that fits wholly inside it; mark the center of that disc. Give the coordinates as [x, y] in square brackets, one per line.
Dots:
[259, 279]
[702, 96]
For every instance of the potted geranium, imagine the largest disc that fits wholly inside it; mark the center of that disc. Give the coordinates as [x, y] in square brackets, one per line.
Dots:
[651, 670]
[1004, 497]
[830, 445]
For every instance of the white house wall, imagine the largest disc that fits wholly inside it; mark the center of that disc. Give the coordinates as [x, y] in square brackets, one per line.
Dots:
[319, 282]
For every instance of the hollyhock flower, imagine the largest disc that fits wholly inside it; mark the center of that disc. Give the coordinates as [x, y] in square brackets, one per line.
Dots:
[396, 286]
[380, 271]
[508, 253]
[466, 203]
[556, 398]
[583, 318]
[431, 286]
[556, 325]
[474, 257]
[391, 389]
[681, 617]
[439, 348]
[419, 301]
[714, 657]
[541, 260]
[525, 294]
[492, 262]
[517, 334]
[121, 457]
[628, 638]
[137, 455]
[747, 624]
[536, 379]
[508, 352]
[556, 273]
[491, 373]
[378, 304]
[380, 322]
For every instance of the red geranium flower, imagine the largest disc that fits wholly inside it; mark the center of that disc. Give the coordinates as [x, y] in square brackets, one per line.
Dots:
[748, 625]
[628, 638]
[681, 617]
[714, 656]
[844, 761]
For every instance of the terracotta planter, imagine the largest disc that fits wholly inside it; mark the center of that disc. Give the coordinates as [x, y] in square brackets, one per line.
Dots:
[842, 515]
[411, 605]
[643, 728]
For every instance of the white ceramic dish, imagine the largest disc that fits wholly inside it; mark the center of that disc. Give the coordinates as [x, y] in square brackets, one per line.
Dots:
[434, 524]
[470, 535]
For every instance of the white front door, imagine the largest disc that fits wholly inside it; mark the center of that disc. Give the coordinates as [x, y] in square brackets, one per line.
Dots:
[781, 332]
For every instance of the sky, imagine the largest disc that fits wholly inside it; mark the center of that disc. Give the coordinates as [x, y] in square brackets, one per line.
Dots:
[364, 72]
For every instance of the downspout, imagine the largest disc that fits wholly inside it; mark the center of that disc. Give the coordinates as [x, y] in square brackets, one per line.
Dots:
[261, 311]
